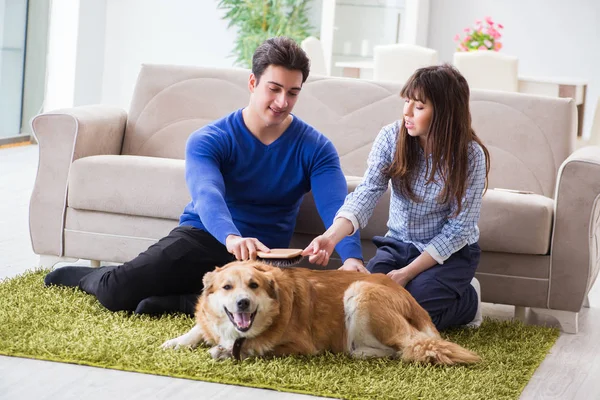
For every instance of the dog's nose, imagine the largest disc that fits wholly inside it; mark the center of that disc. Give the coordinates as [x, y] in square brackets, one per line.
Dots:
[243, 304]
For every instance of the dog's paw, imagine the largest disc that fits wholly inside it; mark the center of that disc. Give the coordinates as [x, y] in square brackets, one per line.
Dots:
[178, 343]
[219, 352]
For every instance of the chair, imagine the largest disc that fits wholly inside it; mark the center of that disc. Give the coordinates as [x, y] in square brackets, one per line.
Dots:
[488, 70]
[397, 62]
[314, 50]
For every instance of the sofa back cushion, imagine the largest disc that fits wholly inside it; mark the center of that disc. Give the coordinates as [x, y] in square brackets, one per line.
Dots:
[528, 136]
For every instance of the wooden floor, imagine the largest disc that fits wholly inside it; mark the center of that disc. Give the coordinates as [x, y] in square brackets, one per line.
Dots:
[571, 370]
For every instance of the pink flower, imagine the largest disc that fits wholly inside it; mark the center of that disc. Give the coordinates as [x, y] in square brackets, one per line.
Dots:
[468, 38]
[500, 26]
[457, 37]
[478, 22]
[493, 33]
[482, 48]
[487, 43]
[467, 30]
[489, 20]
[497, 46]
[463, 47]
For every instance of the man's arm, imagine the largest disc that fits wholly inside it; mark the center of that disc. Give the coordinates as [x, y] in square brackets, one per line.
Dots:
[205, 153]
[329, 189]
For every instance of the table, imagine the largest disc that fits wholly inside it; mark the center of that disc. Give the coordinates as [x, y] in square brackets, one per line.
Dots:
[558, 87]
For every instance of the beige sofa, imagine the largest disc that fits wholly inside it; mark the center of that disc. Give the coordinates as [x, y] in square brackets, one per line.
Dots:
[110, 182]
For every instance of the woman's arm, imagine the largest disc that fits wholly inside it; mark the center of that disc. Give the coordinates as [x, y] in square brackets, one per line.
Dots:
[456, 230]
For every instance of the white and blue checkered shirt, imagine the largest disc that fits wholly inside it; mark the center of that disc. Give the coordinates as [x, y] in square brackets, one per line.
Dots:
[425, 224]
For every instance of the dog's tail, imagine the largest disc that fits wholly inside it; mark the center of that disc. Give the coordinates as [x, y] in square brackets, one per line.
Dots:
[435, 350]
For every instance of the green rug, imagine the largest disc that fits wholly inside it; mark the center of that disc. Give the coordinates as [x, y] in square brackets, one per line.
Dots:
[66, 325]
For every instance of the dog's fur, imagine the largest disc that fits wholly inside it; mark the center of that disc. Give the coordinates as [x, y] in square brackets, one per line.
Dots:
[302, 311]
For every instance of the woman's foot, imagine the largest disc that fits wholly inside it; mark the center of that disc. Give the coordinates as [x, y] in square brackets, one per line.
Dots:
[478, 317]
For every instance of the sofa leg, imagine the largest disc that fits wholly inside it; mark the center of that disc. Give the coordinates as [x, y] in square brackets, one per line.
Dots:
[568, 320]
[94, 263]
[48, 261]
[586, 301]
[521, 313]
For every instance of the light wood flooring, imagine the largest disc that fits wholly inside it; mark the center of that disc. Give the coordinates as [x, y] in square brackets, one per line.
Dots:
[570, 371]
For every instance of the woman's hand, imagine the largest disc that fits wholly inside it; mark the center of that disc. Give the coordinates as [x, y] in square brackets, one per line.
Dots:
[319, 250]
[354, 264]
[244, 248]
[400, 276]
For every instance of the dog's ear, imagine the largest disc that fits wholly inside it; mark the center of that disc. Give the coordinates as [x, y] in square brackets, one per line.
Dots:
[209, 278]
[273, 289]
[271, 286]
[269, 278]
[262, 267]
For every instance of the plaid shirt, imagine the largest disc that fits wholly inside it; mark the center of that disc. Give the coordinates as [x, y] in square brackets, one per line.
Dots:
[425, 224]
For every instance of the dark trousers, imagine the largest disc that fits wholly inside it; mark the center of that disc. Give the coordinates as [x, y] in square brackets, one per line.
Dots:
[444, 290]
[174, 265]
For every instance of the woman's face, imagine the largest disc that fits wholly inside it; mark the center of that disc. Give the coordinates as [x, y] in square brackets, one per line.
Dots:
[417, 118]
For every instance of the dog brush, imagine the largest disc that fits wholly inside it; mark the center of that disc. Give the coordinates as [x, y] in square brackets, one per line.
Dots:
[281, 257]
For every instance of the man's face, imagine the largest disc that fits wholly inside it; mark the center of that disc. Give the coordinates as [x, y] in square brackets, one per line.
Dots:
[273, 97]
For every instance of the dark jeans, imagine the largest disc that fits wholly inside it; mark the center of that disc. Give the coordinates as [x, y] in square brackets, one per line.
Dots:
[174, 265]
[444, 290]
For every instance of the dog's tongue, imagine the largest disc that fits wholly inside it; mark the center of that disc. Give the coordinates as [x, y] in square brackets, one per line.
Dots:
[242, 319]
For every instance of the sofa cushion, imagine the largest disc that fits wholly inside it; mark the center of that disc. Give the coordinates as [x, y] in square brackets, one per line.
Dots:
[155, 187]
[515, 222]
[130, 185]
[509, 223]
[170, 102]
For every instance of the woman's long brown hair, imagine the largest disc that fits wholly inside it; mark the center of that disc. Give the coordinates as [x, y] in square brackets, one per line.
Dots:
[448, 139]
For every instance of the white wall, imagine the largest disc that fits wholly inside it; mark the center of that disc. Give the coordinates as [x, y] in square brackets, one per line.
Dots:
[185, 32]
[62, 54]
[552, 38]
[89, 58]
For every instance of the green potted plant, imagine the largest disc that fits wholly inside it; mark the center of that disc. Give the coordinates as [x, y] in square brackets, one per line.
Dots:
[258, 20]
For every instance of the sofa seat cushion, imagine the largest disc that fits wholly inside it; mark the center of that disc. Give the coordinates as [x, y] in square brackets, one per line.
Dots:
[129, 185]
[509, 223]
[516, 222]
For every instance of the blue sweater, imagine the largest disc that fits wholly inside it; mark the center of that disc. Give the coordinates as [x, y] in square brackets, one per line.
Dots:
[243, 187]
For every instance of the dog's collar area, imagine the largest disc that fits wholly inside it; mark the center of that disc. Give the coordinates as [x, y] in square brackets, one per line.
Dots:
[233, 320]
[236, 351]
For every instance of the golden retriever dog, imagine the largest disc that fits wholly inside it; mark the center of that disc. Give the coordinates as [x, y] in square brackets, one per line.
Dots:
[272, 311]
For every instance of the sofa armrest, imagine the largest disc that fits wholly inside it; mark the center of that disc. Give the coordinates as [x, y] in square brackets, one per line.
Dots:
[576, 234]
[64, 136]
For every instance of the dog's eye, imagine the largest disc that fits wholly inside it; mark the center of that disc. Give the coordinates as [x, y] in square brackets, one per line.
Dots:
[227, 287]
[253, 285]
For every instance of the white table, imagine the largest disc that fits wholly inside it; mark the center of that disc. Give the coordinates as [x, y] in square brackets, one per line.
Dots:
[557, 87]
[351, 69]
[543, 86]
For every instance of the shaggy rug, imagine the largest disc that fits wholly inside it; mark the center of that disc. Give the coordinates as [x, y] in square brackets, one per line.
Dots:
[66, 325]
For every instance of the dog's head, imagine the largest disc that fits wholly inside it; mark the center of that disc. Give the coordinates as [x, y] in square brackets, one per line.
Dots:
[242, 296]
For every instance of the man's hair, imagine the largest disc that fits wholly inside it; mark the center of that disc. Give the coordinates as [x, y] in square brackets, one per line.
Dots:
[281, 51]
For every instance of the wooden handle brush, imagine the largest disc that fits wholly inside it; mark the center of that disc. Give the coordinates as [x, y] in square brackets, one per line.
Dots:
[281, 257]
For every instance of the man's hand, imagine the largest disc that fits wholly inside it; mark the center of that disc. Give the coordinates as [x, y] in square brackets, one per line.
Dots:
[319, 250]
[401, 276]
[244, 248]
[354, 264]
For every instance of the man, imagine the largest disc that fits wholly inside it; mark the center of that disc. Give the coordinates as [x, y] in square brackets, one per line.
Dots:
[247, 174]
